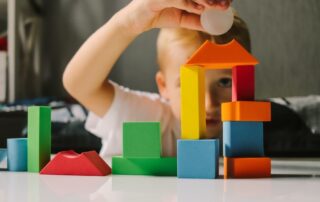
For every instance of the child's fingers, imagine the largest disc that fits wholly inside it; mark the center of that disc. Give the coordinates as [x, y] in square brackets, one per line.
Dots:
[214, 3]
[190, 21]
[186, 5]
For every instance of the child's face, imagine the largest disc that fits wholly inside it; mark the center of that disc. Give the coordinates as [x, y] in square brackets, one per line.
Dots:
[218, 88]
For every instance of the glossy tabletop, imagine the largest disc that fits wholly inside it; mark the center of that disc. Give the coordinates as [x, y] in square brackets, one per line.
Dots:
[292, 180]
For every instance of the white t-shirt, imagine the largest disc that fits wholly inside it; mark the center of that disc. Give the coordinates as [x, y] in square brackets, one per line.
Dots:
[129, 106]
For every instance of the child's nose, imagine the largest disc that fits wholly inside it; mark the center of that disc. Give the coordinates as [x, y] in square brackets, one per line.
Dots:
[211, 104]
[212, 100]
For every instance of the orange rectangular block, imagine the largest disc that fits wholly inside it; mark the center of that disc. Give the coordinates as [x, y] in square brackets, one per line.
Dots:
[255, 167]
[246, 111]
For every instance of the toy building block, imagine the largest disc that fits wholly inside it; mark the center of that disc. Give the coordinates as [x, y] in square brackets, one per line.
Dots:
[193, 117]
[141, 140]
[243, 83]
[212, 56]
[198, 159]
[164, 166]
[39, 137]
[71, 163]
[247, 167]
[243, 139]
[246, 111]
[3, 154]
[17, 154]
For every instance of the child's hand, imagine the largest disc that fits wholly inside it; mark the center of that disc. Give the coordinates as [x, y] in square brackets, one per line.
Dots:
[142, 15]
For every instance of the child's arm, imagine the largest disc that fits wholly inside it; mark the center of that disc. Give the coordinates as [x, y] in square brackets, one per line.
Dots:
[85, 75]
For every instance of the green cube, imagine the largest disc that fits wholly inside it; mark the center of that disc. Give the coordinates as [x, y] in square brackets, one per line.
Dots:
[141, 140]
[39, 137]
[165, 166]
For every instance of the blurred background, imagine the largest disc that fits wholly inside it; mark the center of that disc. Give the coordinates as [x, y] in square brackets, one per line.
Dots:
[42, 36]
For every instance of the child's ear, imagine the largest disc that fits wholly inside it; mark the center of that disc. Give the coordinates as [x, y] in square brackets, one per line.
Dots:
[161, 83]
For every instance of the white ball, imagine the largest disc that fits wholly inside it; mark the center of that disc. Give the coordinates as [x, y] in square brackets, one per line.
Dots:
[217, 21]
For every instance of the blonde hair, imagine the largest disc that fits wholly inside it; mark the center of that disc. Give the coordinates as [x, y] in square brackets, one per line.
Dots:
[185, 38]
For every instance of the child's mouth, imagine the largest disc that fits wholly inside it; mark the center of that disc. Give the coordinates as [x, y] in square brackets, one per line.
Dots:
[213, 122]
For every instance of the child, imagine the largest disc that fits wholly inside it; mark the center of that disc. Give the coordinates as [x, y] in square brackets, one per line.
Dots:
[85, 77]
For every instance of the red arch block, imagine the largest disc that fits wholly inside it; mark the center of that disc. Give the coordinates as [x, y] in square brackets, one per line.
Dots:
[71, 163]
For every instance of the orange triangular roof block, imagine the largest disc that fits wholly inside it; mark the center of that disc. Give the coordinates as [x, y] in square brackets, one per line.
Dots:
[212, 56]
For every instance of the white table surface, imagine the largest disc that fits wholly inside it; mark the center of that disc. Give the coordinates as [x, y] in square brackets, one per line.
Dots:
[292, 180]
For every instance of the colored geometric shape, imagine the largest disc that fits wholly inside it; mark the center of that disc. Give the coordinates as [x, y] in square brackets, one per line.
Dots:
[211, 56]
[141, 140]
[198, 159]
[246, 111]
[243, 139]
[193, 117]
[247, 167]
[17, 154]
[39, 137]
[144, 166]
[3, 154]
[71, 163]
[243, 83]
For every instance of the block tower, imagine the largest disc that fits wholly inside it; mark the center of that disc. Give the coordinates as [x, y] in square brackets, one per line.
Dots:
[199, 158]
[142, 152]
[243, 119]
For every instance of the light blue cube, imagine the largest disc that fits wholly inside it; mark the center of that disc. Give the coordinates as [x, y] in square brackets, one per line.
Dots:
[243, 139]
[17, 154]
[198, 159]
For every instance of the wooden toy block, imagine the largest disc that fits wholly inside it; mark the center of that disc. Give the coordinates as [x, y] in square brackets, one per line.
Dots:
[39, 137]
[71, 163]
[247, 167]
[3, 154]
[144, 166]
[198, 159]
[243, 139]
[243, 83]
[17, 154]
[193, 117]
[141, 140]
[215, 56]
[246, 111]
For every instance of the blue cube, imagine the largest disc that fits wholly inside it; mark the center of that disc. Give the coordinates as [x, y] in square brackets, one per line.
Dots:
[198, 159]
[243, 139]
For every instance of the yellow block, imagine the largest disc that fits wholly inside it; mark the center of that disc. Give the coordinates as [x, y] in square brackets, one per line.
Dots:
[193, 117]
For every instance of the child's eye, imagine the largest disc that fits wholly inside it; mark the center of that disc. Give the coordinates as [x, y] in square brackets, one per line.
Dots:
[225, 82]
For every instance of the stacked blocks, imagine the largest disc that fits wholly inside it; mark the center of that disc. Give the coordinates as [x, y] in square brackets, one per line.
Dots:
[243, 129]
[243, 83]
[39, 137]
[142, 152]
[247, 167]
[242, 139]
[198, 159]
[141, 140]
[193, 119]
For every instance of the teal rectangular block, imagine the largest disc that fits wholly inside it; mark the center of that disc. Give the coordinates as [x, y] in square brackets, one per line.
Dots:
[17, 154]
[141, 140]
[39, 137]
[164, 166]
[243, 139]
[198, 159]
